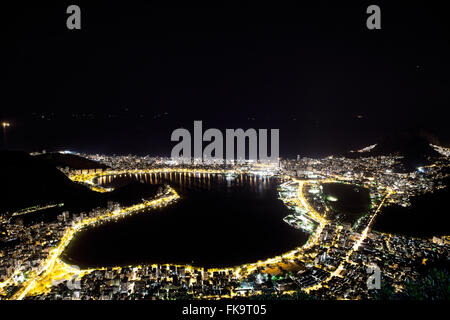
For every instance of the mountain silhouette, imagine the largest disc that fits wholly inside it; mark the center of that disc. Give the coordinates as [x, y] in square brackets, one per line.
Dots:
[413, 145]
[28, 181]
[72, 161]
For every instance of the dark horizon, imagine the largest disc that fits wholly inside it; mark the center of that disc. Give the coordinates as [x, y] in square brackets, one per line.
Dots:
[134, 74]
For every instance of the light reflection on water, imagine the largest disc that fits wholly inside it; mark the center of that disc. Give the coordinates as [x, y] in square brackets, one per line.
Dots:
[219, 221]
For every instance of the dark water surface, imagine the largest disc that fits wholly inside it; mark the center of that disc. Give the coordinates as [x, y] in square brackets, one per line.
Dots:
[348, 202]
[217, 222]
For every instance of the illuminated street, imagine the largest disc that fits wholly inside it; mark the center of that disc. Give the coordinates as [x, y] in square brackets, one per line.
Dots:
[52, 270]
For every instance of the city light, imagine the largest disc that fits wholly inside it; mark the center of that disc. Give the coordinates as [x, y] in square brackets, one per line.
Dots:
[330, 252]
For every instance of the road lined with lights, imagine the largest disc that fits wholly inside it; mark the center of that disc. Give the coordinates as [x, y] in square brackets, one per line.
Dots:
[54, 269]
[53, 258]
[355, 247]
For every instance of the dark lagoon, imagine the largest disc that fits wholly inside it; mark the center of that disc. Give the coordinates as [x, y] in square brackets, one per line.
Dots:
[217, 222]
[348, 202]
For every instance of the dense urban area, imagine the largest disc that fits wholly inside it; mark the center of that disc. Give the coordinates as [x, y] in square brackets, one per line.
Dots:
[335, 263]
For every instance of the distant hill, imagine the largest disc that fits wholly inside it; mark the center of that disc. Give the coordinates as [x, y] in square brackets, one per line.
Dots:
[27, 181]
[72, 161]
[405, 143]
[413, 145]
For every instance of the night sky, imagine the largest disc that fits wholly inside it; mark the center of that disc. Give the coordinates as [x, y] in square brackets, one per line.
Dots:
[136, 72]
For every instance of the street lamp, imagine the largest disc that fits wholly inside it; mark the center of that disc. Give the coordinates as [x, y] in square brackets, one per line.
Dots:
[4, 126]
